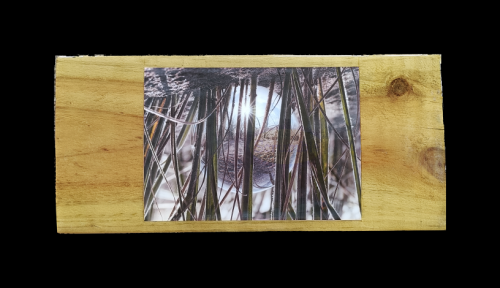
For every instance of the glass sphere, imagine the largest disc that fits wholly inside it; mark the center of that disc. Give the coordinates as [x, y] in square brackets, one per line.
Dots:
[264, 156]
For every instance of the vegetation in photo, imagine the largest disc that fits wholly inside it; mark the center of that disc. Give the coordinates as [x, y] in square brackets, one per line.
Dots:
[252, 144]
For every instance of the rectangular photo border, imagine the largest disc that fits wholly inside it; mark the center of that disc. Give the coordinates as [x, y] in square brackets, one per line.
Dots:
[166, 87]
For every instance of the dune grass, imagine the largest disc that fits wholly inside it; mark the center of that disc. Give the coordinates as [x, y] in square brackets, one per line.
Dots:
[205, 118]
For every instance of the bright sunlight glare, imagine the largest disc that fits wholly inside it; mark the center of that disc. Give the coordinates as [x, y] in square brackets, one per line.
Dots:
[245, 110]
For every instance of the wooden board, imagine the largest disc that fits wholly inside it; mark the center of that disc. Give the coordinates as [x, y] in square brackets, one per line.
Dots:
[99, 143]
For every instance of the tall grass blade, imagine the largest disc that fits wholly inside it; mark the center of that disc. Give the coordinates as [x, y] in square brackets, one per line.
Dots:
[183, 192]
[154, 137]
[322, 109]
[302, 181]
[192, 190]
[280, 152]
[237, 136]
[149, 119]
[350, 136]
[292, 178]
[323, 147]
[312, 152]
[310, 95]
[180, 143]
[183, 121]
[174, 155]
[356, 85]
[246, 198]
[211, 208]
[155, 158]
[286, 147]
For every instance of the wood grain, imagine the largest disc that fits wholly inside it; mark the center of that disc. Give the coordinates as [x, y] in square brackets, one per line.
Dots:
[99, 138]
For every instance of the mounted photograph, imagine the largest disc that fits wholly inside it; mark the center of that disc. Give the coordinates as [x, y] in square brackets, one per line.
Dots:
[243, 144]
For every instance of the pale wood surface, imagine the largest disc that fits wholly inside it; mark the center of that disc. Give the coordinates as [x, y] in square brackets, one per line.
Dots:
[99, 138]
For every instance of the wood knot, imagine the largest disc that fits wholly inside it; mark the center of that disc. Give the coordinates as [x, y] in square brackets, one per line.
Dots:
[399, 86]
[433, 160]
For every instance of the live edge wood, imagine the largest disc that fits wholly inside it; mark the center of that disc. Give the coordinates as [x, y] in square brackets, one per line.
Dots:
[99, 143]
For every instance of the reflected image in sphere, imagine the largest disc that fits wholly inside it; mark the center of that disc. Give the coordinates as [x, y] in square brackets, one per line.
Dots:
[264, 158]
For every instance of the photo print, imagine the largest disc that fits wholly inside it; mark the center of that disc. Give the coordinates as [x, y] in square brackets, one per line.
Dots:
[242, 144]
